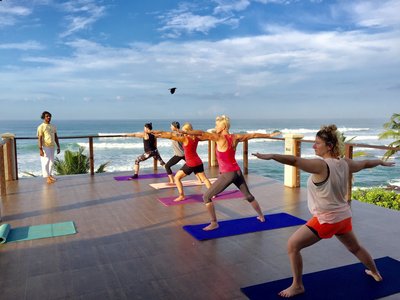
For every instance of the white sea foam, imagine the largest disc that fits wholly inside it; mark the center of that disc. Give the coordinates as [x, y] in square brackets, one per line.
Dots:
[345, 129]
[395, 182]
[299, 130]
[111, 133]
[113, 145]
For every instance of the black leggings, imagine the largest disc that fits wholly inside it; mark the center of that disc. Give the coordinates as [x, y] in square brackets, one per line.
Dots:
[223, 181]
[173, 161]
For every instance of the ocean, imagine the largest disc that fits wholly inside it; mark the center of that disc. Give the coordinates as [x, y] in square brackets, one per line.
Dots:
[121, 152]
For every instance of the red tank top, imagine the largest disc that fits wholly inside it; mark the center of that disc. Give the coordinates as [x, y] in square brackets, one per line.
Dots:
[226, 159]
[191, 156]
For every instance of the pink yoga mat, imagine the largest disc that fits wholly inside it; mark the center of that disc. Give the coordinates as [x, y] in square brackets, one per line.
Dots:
[165, 185]
[141, 176]
[196, 198]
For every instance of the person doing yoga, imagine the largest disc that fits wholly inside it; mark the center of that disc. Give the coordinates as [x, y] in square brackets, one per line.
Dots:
[327, 202]
[178, 153]
[229, 169]
[193, 163]
[150, 148]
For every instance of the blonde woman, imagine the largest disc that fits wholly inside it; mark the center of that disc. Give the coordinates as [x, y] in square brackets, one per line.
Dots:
[327, 188]
[193, 162]
[229, 169]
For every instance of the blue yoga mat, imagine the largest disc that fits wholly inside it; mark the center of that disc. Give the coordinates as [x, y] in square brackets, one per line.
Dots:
[8, 234]
[347, 282]
[245, 225]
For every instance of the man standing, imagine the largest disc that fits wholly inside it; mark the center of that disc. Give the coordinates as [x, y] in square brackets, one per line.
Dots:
[47, 139]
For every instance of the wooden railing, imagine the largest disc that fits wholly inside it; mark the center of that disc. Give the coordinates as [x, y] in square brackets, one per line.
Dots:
[90, 141]
[211, 157]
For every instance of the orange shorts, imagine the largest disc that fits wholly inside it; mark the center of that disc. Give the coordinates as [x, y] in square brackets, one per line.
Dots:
[326, 231]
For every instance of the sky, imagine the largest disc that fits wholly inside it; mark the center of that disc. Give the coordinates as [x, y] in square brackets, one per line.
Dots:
[264, 59]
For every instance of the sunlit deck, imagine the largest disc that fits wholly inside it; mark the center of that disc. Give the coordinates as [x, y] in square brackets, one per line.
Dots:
[130, 246]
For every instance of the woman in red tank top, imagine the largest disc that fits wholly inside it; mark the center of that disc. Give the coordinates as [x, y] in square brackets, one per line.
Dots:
[229, 169]
[193, 162]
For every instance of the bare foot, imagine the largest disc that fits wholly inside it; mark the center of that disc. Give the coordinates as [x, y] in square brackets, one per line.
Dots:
[52, 178]
[49, 181]
[291, 291]
[376, 276]
[171, 183]
[212, 226]
[180, 198]
[261, 218]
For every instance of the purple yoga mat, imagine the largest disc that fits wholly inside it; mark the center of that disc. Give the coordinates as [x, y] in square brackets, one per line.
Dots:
[196, 198]
[141, 176]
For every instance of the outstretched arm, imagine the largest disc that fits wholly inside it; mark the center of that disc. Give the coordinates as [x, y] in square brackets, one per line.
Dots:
[136, 134]
[358, 165]
[204, 135]
[255, 135]
[167, 135]
[314, 166]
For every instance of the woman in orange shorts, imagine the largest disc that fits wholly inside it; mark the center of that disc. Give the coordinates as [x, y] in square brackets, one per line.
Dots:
[327, 189]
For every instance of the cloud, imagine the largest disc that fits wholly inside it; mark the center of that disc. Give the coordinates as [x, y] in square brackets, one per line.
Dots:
[280, 65]
[372, 13]
[81, 15]
[188, 18]
[25, 46]
[228, 6]
[284, 57]
[10, 14]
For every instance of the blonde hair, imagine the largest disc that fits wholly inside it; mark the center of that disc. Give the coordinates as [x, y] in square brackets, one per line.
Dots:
[332, 137]
[187, 126]
[224, 120]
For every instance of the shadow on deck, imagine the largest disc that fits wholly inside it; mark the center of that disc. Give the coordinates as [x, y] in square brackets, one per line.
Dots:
[130, 246]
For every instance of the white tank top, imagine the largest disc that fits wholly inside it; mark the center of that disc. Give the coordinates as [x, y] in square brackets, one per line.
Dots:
[328, 201]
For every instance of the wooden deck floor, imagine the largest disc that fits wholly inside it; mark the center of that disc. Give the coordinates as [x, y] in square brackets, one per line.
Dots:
[130, 246]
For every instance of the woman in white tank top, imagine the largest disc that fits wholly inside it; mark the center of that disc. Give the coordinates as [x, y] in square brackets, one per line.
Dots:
[327, 187]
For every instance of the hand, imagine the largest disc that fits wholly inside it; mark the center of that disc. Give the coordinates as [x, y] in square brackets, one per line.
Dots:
[41, 152]
[276, 132]
[263, 156]
[58, 150]
[387, 163]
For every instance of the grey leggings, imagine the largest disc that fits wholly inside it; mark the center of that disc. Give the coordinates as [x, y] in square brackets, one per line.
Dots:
[223, 181]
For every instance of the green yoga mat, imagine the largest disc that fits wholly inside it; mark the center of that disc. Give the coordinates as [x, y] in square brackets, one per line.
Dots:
[8, 234]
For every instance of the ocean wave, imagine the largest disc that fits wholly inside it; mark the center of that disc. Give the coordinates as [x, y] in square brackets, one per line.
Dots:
[161, 143]
[345, 129]
[111, 133]
[299, 130]
[395, 182]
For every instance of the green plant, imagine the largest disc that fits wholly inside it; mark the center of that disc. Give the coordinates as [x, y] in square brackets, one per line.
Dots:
[346, 140]
[392, 131]
[378, 196]
[75, 163]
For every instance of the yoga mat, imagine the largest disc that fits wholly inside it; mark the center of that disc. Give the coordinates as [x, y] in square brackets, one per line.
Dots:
[165, 185]
[141, 176]
[8, 234]
[196, 198]
[245, 225]
[347, 282]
